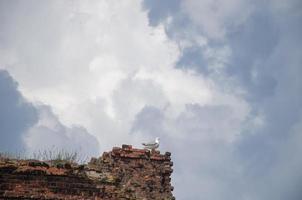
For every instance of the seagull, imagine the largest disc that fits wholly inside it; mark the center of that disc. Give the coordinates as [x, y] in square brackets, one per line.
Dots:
[152, 145]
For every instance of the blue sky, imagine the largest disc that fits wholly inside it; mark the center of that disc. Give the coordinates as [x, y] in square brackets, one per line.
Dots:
[218, 81]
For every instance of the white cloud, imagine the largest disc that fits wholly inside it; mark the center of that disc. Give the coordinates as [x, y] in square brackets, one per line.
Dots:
[50, 134]
[99, 65]
[248, 45]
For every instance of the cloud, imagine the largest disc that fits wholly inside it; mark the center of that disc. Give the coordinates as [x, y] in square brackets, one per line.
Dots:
[105, 69]
[201, 139]
[159, 10]
[28, 128]
[218, 82]
[217, 18]
[75, 139]
[16, 115]
[97, 63]
[262, 57]
[214, 19]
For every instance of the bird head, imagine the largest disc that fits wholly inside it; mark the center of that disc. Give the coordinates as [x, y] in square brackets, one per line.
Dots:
[157, 139]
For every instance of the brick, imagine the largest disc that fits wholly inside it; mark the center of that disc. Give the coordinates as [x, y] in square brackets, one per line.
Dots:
[123, 173]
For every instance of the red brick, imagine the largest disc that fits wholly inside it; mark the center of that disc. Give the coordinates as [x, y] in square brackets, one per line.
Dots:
[141, 175]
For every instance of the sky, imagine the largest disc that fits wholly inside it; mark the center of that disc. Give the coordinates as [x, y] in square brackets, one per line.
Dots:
[218, 81]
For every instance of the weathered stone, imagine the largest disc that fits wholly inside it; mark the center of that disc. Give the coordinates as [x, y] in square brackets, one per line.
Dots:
[168, 154]
[126, 147]
[123, 173]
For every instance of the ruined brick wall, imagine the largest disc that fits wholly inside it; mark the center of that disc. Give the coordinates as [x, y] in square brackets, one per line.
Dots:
[123, 173]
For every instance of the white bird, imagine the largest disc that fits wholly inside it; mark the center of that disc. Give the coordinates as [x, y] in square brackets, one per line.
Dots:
[152, 145]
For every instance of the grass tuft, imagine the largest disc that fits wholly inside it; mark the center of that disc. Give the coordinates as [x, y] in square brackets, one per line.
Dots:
[54, 156]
